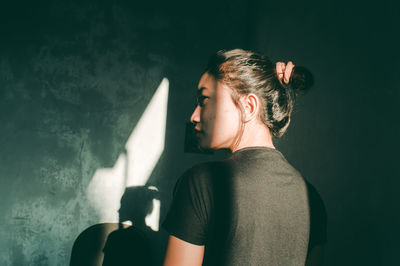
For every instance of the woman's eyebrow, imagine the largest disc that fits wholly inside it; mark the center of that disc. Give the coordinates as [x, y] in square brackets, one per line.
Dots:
[201, 90]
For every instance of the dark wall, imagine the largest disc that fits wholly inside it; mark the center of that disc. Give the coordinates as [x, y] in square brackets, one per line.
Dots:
[76, 76]
[344, 132]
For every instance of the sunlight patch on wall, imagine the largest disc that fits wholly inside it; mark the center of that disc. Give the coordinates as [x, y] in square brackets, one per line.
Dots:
[146, 143]
[143, 151]
[105, 190]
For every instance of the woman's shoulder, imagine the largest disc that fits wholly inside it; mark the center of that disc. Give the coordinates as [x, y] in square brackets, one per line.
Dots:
[203, 173]
[205, 168]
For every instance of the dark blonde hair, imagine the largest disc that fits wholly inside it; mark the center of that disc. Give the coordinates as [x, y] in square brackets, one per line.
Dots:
[249, 72]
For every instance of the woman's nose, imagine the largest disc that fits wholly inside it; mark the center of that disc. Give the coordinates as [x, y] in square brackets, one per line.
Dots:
[195, 118]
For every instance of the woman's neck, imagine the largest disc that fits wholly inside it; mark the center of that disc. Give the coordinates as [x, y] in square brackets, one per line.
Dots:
[255, 134]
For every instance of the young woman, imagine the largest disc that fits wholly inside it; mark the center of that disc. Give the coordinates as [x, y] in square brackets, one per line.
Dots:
[251, 208]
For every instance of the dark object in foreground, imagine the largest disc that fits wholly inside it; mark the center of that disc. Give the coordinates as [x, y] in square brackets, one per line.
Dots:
[112, 244]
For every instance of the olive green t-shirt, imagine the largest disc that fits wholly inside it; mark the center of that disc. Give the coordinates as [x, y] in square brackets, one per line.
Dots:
[248, 209]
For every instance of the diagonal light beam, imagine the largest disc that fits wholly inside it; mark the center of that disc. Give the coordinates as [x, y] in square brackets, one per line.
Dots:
[147, 141]
[144, 148]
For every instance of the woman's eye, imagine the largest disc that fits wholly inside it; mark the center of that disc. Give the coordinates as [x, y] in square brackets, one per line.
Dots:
[201, 100]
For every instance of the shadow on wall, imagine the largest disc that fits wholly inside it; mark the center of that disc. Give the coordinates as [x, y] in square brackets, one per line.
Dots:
[128, 207]
[121, 243]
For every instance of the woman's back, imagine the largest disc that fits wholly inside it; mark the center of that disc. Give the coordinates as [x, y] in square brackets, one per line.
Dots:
[249, 209]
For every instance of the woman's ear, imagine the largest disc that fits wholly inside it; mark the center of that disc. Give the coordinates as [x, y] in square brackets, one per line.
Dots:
[251, 104]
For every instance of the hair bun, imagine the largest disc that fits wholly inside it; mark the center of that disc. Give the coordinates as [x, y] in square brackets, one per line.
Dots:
[301, 80]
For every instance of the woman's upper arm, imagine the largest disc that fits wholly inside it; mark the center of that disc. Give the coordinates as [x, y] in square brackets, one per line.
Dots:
[180, 252]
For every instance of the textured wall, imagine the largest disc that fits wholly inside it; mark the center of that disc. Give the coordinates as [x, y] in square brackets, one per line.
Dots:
[76, 76]
[75, 79]
[73, 87]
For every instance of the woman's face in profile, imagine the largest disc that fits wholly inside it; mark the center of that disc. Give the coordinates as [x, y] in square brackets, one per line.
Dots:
[216, 116]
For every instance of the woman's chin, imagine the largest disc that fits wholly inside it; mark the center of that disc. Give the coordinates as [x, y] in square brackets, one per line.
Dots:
[204, 145]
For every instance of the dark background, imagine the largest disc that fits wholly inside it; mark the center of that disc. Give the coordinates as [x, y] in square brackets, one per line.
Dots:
[76, 76]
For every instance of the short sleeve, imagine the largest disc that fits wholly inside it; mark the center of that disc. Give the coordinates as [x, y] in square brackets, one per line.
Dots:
[188, 215]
